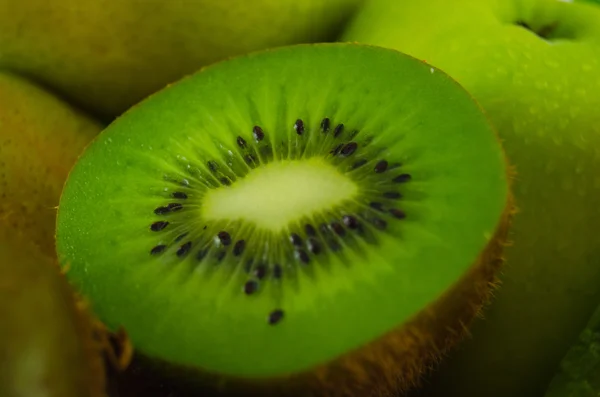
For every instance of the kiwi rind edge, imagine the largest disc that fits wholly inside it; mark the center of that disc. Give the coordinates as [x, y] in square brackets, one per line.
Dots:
[390, 366]
[377, 363]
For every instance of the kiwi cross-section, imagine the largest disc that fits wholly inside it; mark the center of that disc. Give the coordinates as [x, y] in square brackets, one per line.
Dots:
[324, 217]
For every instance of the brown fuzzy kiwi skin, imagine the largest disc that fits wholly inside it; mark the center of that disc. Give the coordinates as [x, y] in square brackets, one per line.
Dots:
[390, 366]
[41, 137]
[49, 343]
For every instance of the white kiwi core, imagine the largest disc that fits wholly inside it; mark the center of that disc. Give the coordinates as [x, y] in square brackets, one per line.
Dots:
[279, 193]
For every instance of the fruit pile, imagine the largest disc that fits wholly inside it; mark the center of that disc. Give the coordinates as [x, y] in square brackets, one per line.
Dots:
[299, 198]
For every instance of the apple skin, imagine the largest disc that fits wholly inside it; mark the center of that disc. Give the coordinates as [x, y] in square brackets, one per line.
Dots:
[543, 97]
[579, 371]
[106, 55]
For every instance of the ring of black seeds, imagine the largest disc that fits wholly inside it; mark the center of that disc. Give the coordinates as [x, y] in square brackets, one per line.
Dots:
[301, 249]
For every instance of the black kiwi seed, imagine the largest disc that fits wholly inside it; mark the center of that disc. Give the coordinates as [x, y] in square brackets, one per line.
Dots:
[241, 142]
[376, 206]
[381, 166]
[162, 210]
[225, 181]
[337, 228]
[277, 271]
[212, 166]
[350, 221]
[392, 195]
[378, 223]
[338, 130]
[238, 248]
[158, 249]
[398, 213]
[258, 133]
[221, 255]
[224, 238]
[299, 127]
[158, 226]
[337, 149]
[275, 316]
[349, 149]
[302, 256]
[325, 125]
[174, 207]
[260, 272]
[359, 163]
[296, 240]
[250, 287]
[184, 249]
[310, 230]
[313, 245]
[249, 159]
[179, 195]
[402, 178]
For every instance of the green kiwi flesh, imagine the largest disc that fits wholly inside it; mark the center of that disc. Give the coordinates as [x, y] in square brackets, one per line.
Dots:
[276, 211]
[579, 371]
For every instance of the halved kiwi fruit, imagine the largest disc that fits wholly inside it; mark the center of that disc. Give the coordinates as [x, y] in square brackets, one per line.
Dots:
[318, 219]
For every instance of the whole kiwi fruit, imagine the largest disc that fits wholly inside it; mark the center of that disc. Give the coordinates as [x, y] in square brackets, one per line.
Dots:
[41, 136]
[48, 342]
[314, 220]
[106, 55]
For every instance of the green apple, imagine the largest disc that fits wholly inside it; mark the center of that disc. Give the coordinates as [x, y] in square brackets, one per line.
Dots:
[534, 65]
[108, 54]
[41, 137]
[579, 371]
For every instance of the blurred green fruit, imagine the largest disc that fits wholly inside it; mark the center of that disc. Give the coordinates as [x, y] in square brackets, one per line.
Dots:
[40, 139]
[534, 65]
[47, 342]
[579, 372]
[106, 55]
